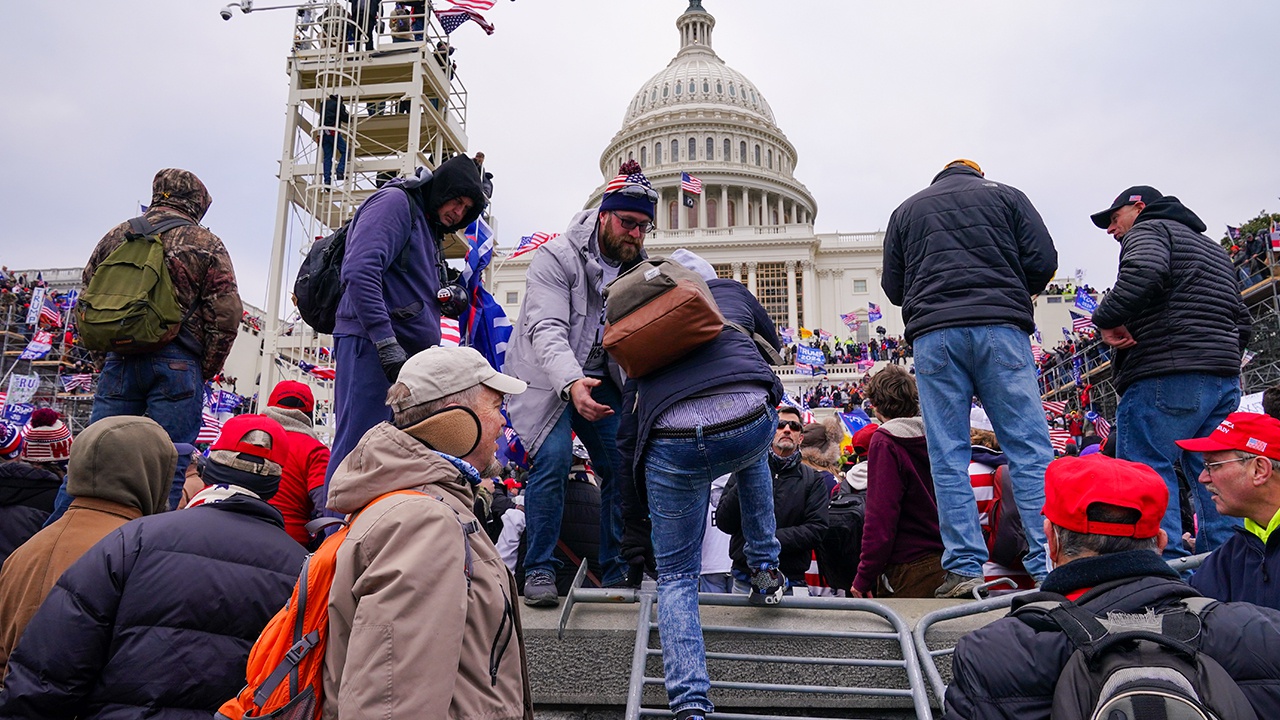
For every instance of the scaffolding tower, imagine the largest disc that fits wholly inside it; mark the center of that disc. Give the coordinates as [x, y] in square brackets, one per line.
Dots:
[404, 107]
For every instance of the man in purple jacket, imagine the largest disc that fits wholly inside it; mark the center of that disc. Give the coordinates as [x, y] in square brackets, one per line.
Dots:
[391, 274]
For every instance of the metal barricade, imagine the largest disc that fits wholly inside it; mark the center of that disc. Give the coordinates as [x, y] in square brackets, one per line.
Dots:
[646, 597]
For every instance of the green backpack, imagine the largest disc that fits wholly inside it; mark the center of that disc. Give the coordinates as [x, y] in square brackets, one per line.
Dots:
[130, 305]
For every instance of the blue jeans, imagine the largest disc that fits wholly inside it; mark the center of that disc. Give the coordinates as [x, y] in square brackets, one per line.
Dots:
[326, 154]
[1156, 411]
[678, 474]
[992, 362]
[545, 486]
[166, 386]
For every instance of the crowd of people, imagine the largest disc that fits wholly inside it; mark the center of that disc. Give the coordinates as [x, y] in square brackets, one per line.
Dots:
[698, 472]
[837, 351]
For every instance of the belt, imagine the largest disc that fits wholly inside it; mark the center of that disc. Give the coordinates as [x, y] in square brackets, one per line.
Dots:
[722, 426]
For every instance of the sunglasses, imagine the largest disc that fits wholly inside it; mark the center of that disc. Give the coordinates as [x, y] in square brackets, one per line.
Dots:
[639, 191]
[791, 425]
[628, 224]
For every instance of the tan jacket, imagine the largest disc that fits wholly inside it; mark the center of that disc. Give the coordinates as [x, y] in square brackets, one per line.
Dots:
[33, 569]
[409, 635]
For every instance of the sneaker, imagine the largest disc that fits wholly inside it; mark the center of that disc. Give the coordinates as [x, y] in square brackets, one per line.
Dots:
[540, 589]
[767, 586]
[957, 586]
[692, 714]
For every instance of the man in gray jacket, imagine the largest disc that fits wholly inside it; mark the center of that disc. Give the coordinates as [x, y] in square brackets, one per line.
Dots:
[573, 386]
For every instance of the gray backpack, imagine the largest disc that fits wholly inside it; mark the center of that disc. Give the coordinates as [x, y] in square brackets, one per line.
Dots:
[1136, 666]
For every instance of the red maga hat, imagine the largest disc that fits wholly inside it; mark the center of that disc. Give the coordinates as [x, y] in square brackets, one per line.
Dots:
[1073, 484]
[1247, 432]
[292, 394]
[235, 430]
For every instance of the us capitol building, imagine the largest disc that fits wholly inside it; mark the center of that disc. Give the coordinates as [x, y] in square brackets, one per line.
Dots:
[754, 218]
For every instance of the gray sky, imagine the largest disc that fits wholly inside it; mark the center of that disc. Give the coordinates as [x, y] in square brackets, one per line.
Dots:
[1071, 101]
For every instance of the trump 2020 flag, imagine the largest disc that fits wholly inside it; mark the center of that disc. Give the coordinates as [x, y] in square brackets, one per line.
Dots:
[40, 345]
[488, 329]
[1085, 302]
[873, 312]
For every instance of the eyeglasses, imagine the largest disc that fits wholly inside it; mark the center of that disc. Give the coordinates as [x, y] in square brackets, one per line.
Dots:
[1208, 467]
[628, 224]
[791, 425]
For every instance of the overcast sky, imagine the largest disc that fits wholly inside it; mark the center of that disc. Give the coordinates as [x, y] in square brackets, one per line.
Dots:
[1071, 101]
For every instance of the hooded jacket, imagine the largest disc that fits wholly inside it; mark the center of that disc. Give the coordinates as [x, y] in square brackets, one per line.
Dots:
[1008, 669]
[204, 280]
[409, 634]
[561, 317]
[1176, 293]
[800, 500]
[26, 499]
[901, 521]
[158, 618]
[966, 251]
[301, 492]
[121, 468]
[390, 272]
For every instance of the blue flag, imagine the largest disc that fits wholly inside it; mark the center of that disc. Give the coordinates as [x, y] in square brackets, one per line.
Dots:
[487, 327]
[854, 421]
[873, 312]
[1085, 302]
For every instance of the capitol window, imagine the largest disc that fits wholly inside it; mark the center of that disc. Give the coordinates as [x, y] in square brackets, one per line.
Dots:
[757, 156]
[742, 152]
[713, 209]
[675, 151]
[706, 87]
[693, 149]
[719, 88]
[732, 92]
[679, 88]
[769, 155]
[711, 148]
[644, 156]
[673, 215]
[657, 154]
[655, 95]
[664, 91]
[513, 297]
[859, 286]
[733, 213]
[692, 87]
[726, 150]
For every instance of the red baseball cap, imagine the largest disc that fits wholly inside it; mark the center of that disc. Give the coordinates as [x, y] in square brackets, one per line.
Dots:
[1247, 432]
[235, 430]
[861, 440]
[1073, 484]
[292, 394]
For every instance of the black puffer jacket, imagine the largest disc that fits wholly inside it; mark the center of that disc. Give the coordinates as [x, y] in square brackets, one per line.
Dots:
[1009, 669]
[157, 619]
[1176, 293]
[26, 499]
[800, 500]
[966, 251]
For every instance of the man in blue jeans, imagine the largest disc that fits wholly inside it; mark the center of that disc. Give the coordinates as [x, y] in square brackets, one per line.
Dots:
[573, 386]
[963, 258]
[1179, 329]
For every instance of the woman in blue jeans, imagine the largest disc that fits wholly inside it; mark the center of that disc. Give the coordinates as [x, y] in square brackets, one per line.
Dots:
[708, 414]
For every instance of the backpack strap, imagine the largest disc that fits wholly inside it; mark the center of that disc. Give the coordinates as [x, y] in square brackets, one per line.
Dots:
[142, 227]
[302, 645]
[762, 345]
[1045, 610]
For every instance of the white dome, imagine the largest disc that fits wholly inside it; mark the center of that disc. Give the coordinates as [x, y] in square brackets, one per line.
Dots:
[700, 79]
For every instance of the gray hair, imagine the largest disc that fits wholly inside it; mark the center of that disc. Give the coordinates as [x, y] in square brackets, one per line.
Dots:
[1076, 544]
[416, 414]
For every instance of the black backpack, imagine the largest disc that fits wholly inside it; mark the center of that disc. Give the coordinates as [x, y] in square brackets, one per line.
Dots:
[841, 545]
[318, 287]
[1136, 666]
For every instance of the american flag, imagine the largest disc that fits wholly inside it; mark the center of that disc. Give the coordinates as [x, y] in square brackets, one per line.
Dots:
[473, 4]
[1059, 439]
[873, 312]
[1057, 408]
[450, 336]
[49, 316]
[210, 428]
[1080, 323]
[324, 373]
[690, 184]
[1102, 427]
[850, 320]
[451, 18]
[824, 335]
[79, 381]
[529, 243]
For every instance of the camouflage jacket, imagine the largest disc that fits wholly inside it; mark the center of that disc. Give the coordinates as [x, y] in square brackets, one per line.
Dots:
[199, 265]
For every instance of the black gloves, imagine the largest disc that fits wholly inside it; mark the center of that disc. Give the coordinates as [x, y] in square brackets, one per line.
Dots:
[392, 357]
[637, 550]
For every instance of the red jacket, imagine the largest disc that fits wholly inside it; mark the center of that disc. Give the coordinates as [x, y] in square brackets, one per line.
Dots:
[300, 497]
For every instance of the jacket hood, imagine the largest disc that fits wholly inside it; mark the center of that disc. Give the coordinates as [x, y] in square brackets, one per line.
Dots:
[582, 229]
[904, 428]
[292, 420]
[386, 460]
[456, 177]
[182, 191]
[20, 482]
[1171, 208]
[987, 456]
[125, 459]
[958, 170]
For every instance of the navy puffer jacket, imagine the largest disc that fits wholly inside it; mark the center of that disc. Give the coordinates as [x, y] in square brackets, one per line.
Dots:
[1176, 294]
[26, 499]
[157, 619]
[966, 251]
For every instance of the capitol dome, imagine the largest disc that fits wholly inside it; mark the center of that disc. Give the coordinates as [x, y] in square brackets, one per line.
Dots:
[701, 117]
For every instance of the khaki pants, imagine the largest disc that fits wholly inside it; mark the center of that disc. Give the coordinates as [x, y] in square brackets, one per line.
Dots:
[916, 579]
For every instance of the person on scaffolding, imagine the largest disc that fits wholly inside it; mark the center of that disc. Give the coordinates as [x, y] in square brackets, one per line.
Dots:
[392, 274]
[682, 426]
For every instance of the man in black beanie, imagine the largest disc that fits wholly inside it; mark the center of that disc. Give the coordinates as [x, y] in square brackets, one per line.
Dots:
[157, 619]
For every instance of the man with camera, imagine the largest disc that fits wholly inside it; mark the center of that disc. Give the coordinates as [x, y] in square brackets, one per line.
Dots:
[573, 386]
[395, 288]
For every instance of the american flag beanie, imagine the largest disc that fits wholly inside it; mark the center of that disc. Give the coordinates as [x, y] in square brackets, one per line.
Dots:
[629, 174]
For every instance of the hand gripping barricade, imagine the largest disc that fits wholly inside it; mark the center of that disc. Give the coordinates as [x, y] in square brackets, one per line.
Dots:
[1136, 666]
[291, 647]
[659, 311]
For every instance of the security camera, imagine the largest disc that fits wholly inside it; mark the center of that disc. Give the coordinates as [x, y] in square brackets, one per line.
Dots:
[225, 13]
[245, 6]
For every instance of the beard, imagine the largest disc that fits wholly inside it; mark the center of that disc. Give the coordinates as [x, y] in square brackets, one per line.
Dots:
[622, 249]
[493, 468]
[784, 447]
